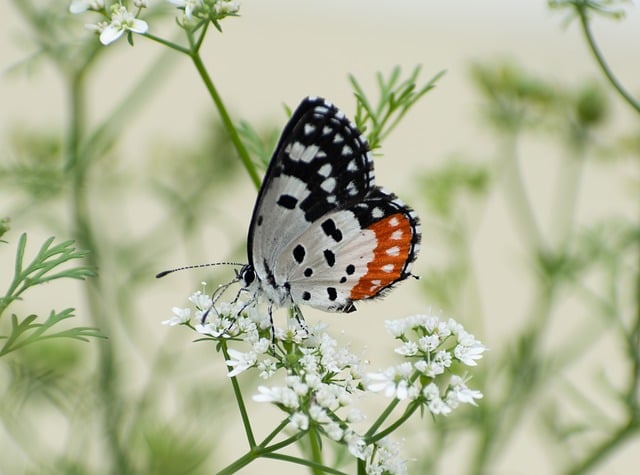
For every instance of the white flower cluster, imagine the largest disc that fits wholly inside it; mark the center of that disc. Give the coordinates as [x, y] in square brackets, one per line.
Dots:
[433, 348]
[205, 9]
[117, 18]
[120, 16]
[319, 379]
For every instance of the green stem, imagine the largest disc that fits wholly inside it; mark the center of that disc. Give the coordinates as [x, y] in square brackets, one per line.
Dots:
[316, 449]
[597, 455]
[392, 427]
[517, 196]
[586, 29]
[246, 422]
[95, 291]
[381, 418]
[226, 119]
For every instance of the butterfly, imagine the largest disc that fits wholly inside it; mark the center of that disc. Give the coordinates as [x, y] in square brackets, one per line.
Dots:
[322, 234]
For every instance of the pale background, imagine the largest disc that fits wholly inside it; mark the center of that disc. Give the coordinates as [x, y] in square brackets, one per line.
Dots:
[280, 51]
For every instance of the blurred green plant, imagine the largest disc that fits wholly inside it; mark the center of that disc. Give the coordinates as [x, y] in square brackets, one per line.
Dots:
[594, 265]
[45, 267]
[396, 96]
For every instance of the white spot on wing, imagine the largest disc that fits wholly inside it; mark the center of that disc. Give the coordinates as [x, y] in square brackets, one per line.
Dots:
[309, 129]
[377, 213]
[393, 251]
[346, 151]
[396, 235]
[387, 268]
[328, 185]
[338, 138]
[352, 166]
[326, 130]
[299, 152]
[393, 222]
[325, 170]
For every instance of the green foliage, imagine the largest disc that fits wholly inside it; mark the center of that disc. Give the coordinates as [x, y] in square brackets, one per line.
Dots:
[594, 265]
[395, 97]
[44, 268]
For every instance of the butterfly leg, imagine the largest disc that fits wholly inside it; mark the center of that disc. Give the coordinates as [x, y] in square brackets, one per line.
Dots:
[273, 329]
[297, 314]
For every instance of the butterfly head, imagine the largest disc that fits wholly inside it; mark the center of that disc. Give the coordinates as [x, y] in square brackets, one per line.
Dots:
[247, 277]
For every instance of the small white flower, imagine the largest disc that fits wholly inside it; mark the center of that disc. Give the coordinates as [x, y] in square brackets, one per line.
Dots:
[262, 346]
[140, 3]
[356, 444]
[299, 421]
[468, 349]
[395, 327]
[240, 362]
[97, 27]
[201, 300]
[334, 431]
[189, 6]
[267, 368]
[226, 7]
[435, 404]
[428, 343]
[122, 20]
[429, 368]
[410, 348]
[81, 6]
[393, 381]
[278, 395]
[438, 406]
[297, 385]
[460, 393]
[180, 316]
[355, 415]
[318, 414]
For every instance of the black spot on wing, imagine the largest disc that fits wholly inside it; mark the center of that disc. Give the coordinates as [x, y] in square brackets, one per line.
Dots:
[287, 201]
[299, 253]
[330, 257]
[332, 293]
[330, 229]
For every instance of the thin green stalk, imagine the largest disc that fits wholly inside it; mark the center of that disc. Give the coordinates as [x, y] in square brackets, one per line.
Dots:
[518, 198]
[226, 120]
[392, 427]
[246, 422]
[317, 468]
[595, 50]
[107, 380]
[274, 432]
[381, 418]
[194, 54]
[316, 449]
[597, 455]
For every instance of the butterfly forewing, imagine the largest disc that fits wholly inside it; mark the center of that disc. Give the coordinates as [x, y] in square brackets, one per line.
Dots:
[320, 163]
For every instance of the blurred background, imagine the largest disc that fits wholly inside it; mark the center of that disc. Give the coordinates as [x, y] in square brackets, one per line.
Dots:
[522, 164]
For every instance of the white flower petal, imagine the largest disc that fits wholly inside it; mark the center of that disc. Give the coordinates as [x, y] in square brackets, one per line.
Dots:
[110, 34]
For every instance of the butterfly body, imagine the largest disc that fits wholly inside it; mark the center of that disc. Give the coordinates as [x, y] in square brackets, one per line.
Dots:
[322, 233]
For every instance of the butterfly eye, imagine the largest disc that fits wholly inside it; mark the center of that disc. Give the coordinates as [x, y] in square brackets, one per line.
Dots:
[248, 275]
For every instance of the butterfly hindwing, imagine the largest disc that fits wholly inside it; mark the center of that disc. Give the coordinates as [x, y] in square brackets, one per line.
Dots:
[352, 254]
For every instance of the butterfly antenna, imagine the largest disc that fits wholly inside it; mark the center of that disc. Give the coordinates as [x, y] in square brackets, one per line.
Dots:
[197, 266]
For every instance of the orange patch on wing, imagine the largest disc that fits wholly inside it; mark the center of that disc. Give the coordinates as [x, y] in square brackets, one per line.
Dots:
[394, 236]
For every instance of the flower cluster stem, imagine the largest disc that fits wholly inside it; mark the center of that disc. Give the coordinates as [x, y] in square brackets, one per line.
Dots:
[595, 50]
